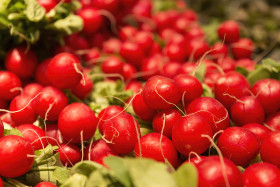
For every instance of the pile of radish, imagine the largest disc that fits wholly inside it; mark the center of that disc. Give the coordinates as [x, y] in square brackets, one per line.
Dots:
[142, 84]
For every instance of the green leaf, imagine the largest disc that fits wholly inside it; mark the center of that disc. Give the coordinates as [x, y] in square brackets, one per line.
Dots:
[40, 174]
[207, 92]
[86, 167]
[242, 70]
[34, 11]
[102, 178]
[4, 4]
[241, 169]
[68, 25]
[76, 180]
[12, 132]
[186, 176]
[46, 156]
[258, 74]
[200, 72]
[61, 174]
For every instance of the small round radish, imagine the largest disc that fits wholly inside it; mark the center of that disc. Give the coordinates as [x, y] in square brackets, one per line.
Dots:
[21, 63]
[176, 52]
[261, 174]
[32, 89]
[227, 64]
[270, 148]
[247, 110]
[195, 32]
[141, 109]
[132, 53]
[151, 66]
[1, 128]
[83, 89]
[10, 85]
[135, 86]
[34, 134]
[171, 69]
[111, 46]
[196, 49]
[190, 87]
[70, 154]
[229, 31]
[112, 65]
[127, 32]
[53, 135]
[45, 184]
[267, 91]
[128, 71]
[41, 75]
[91, 55]
[273, 121]
[144, 39]
[212, 172]
[77, 121]
[230, 86]
[121, 133]
[259, 130]
[47, 4]
[246, 63]
[64, 71]
[92, 20]
[212, 110]
[187, 134]
[111, 6]
[50, 103]
[187, 68]
[161, 93]
[15, 155]
[239, 145]
[158, 147]
[6, 118]
[76, 42]
[243, 48]
[219, 51]
[164, 121]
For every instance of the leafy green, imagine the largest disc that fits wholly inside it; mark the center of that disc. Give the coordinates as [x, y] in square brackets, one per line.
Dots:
[68, 25]
[186, 176]
[200, 71]
[76, 180]
[13, 131]
[207, 92]
[85, 168]
[34, 11]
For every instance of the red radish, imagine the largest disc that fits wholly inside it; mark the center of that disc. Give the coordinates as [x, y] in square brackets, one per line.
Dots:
[176, 52]
[165, 19]
[10, 85]
[15, 155]
[246, 63]
[83, 89]
[76, 42]
[212, 110]
[196, 49]
[259, 130]
[21, 63]
[112, 65]
[25, 112]
[92, 20]
[161, 93]
[229, 31]
[64, 71]
[141, 109]
[53, 134]
[194, 32]
[187, 68]
[111, 46]
[158, 147]
[163, 122]
[227, 64]
[47, 4]
[1, 183]
[32, 89]
[132, 53]
[127, 33]
[1, 128]
[270, 148]
[151, 66]
[34, 134]
[273, 121]
[135, 86]
[230, 86]
[3, 105]
[190, 87]
[77, 121]
[98, 39]
[110, 5]
[219, 51]
[50, 103]
[187, 134]
[121, 133]
[6, 118]
[261, 174]
[41, 73]
[92, 55]
[70, 154]
[171, 69]
[45, 184]
[189, 15]
[144, 39]
[247, 110]
[213, 172]
[267, 91]
[243, 48]
[195, 160]
[108, 113]
[239, 145]
[128, 71]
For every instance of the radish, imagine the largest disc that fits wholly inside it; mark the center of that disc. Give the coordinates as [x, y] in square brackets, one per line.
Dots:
[141, 109]
[45, 184]
[91, 56]
[190, 87]
[112, 65]
[6, 118]
[121, 133]
[213, 172]
[135, 86]
[127, 32]
[158, 147]
[219, 51]
[212, 110]
[145, 40]
[229, 31]
[243, 48]
[3, 105]
[111, 6]
[163, 122]
[247, 110]
[20, 62]
[41, 75]
[92, 20]
[151, 66]
[34, 134]
[261, 174]
[111, 46]
[50, 103]
[83, 89]
[246, 63]
[230, 86]
[196, 49]
[187, 68]
[267, 91]
[1, 183]
[128, 71]
[227, 64]
[273, 121]
[77, 122]
[132, 53]
[239, 145]
[76, 42]
[176, 52]
[10, 85]
[259, 130]
[195, 32]
[53, 135]
[1, 128]
[32, 89]
[64, 71]
[47, 4]
[161, 93]
[15, 155]
[100, 160]
[187, 134]
[171, 69]
[270, 148]
[70, 154]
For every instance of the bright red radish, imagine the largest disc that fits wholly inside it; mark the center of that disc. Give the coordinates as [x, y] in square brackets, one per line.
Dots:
[219, 51]
[270, 148]
[158, 147]
[176, 52]
[112, 65]
[163, 122]
[1, 128]
[92, 20]
[243, 48]
[128, 71]
[212, 110]
[229, 31]
[132, 53]
[246, 63]
[196, 49]
[15, 155]
[213, 172]
[267, 91]
[171, 69]
[41, 75]
[50, 103]
[161, 93]
[64, 71]
[239, 145]
[121, 133]
[187, 134]
[247, 110]
[32, 89]
[261, 174]
[273, 121]
[227, 64]
[21, 63]
[53, 134]
[259, 130]
[10, 85]
[83, 89]
[127, 33]
[77, 121]
[135, 86]
[47, 4]
[45, 184]
[70, 154]
[151, 66]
